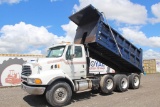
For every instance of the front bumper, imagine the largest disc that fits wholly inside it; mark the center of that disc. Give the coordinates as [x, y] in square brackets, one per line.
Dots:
[33, 90]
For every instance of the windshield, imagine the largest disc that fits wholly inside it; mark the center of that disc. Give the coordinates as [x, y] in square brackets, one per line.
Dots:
[56, 51]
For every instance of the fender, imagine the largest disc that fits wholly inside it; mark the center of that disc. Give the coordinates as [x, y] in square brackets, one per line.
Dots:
[54, 79]
[66, 79]
[72, 84]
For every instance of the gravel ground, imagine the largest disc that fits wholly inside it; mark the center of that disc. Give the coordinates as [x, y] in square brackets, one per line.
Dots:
[148, 95]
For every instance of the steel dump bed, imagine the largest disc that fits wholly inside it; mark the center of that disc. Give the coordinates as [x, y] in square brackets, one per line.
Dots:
[104, 43]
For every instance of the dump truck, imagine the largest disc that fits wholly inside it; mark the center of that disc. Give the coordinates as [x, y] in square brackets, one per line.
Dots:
[65, 70]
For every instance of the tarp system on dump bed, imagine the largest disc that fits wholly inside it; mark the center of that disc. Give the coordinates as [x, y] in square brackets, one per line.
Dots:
[104, 43]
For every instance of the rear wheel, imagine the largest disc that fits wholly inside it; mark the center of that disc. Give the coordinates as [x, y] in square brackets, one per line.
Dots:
[59, 94]
[107, 84]
[122, 82]
[134, 81]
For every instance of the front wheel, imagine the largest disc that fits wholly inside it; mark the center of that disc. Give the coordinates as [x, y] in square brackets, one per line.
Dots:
[59, 94]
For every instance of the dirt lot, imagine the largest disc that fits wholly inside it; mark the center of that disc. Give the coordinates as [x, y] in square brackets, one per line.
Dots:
[148, 95]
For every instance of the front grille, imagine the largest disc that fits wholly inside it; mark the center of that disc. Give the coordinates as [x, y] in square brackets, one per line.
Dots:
[24, 79]
[26, 70]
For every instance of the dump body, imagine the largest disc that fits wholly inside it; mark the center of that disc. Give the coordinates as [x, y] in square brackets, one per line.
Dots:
[104, 43]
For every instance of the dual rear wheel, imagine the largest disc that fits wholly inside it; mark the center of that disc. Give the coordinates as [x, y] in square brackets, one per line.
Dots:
[107, 84]
[120, 82]
[134, 81]
[123, 82]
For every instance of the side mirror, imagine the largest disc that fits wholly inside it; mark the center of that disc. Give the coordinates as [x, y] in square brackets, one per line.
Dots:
[72, 56]
[72, 51]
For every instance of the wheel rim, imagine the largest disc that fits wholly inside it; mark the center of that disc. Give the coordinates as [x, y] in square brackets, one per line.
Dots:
[136, 81]
[124, 83]
[109, 84]
[60, 95]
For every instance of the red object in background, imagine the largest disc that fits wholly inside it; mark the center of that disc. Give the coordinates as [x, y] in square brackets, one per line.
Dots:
[13, 78]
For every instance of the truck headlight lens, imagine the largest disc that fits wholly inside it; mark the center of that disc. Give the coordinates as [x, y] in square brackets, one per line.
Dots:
[30, 80]
[34, 81]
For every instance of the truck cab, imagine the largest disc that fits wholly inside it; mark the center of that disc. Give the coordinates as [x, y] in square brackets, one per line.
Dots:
[72, 59]
[63, 60]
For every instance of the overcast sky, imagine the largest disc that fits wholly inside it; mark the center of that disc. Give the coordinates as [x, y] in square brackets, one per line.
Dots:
[31, 26]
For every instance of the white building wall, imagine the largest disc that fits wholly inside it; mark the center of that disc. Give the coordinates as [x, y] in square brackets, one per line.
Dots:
[10, 70]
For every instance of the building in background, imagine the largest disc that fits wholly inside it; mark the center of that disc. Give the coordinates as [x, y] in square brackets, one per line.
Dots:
[151, 66]
[11, 67]
[22, 55]
[158, 65]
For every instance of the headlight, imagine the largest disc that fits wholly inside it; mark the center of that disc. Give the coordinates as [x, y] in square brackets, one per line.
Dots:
[30, 80]
[34, 81]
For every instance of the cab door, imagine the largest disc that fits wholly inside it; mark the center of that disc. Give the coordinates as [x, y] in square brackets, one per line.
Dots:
[76, 61]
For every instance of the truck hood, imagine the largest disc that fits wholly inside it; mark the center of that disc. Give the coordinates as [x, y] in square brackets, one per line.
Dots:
[43, 61]
[42, 65]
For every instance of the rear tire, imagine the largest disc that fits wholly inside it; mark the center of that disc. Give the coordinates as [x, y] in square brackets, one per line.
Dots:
[107, 84]
[122, 82]
[59, 94]
[134, 81]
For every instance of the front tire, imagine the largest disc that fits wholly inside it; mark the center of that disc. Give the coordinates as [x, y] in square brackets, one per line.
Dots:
[59, 94]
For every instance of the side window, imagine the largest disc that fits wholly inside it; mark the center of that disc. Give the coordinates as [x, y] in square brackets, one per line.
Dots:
[78, 51]
[68, 53]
